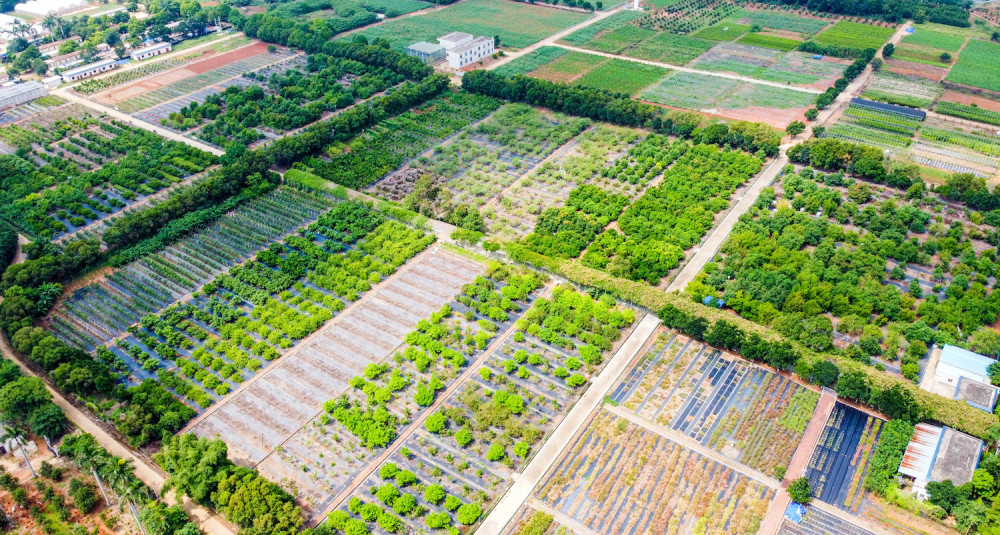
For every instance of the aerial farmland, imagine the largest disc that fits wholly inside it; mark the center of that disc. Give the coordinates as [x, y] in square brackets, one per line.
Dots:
[499, 267]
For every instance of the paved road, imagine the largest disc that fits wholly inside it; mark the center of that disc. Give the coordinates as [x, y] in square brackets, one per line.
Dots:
[526, 481]
[209, 522]
[128, 119]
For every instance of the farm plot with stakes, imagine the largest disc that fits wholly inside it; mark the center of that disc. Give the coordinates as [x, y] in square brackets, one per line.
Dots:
[485, 159]
[487, 430]
[770, 64]
[197, 76]
[618, 477]
[901, 90]
[719, 400]
[75, 168]
[430, 338]
[839, 463]
[103, 310]
[515, 212]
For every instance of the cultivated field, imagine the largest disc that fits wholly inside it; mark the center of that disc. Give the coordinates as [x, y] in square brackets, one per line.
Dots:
[854, 35]
[618, 477]
[976, 66]
[517, 24]
[839, 463]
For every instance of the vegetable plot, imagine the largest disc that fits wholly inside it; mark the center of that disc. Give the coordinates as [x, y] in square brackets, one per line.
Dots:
[622, 478]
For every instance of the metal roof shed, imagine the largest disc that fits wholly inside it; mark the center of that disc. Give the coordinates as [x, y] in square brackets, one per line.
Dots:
[920, 452]
[957, 362]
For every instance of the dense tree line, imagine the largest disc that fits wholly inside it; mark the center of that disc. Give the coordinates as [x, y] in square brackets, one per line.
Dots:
[350, 122]
[8, 244]
[581, 101]
[201, 469]
[952, 12]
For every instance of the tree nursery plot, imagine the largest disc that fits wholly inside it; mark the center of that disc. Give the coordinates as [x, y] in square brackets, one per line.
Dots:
[531, 61]
[370, 156]
[671, 217]
[517, 24]
[618, 477]
[976, 66]
[747, 413]
[487, 430]
[856, 225]
[669, 48]
[486, 158]
[103, 310]
[854, 35]
[367, 411]
[71, 169]
[875, 126]
[602, 26]
[840, 461]
[781, 21]
[287, 99]
[723, 31]
[686, 16]
[902, 90]
[201, 80]
[515, 212]
[622, 76]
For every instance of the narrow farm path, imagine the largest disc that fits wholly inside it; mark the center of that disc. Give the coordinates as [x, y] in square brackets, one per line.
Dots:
[706, 250]
[19, 256]
[145, 470]
[574, 526]
[800, 460]
[551, 40]
[126, 118]
[546, 457]
[418, 422]
[689, 69]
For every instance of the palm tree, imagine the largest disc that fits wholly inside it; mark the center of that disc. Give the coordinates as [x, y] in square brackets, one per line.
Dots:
[89, 458]
[120, 477]
[51, 22]
[16, 434]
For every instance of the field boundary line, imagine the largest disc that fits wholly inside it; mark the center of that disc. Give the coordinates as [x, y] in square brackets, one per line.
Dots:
[518, 493]
[551, 40]
[690, 70]
[401, 438]
[560, 517]
[684, 440]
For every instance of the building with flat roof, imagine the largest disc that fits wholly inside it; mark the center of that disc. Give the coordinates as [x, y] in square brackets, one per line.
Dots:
[956, 363]
[428, 53]
[21, 93]
[154, 49]
[470, 52]
[982, 396]
[454, 39]
[939, 454]
[86, 71]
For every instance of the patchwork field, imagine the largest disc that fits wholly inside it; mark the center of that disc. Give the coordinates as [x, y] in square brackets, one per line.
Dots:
[782, 21]
[976, 66]
[718, 400]
[517, 24]
[771, 64]
[618, 477]
[854, 35]
[839, 463]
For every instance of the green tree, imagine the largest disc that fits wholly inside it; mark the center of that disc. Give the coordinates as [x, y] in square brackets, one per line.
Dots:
[468, 514]
[795, 128]
[800, 491]
[434, 493]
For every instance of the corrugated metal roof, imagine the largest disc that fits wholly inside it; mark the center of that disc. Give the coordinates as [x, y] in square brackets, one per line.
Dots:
[920, 452]
[964, 359]
[88, 67]
[17, 90]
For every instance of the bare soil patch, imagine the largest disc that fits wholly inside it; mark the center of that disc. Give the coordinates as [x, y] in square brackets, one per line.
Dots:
[969, 100]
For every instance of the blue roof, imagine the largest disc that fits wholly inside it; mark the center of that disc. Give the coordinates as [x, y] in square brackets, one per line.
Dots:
[966, 360]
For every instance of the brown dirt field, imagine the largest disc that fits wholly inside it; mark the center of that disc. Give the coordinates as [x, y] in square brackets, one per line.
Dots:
[116, 95]
[962, 98]
[224, 59]
[911, 68]
[777, 118]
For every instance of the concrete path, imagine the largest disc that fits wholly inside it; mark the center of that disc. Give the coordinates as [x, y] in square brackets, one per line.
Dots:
[520, 491]
[690, 444]
[551, 40]
[145, 470]
[691, 70]
[128, 119]
[574, 526]
[800, 460]
[706, 251]
[418, 422]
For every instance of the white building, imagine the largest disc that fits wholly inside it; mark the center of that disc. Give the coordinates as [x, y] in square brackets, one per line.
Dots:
[956, 363]
[50, 7]
[21, 93]
[86, 71]
[471, 52]
[454, 39]
[52, 81]
[152, 50]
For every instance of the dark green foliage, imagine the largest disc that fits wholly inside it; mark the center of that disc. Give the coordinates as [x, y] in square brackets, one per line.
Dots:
[888, 454]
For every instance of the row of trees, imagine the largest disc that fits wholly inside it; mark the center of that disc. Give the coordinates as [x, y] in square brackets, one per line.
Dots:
[952, 12]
